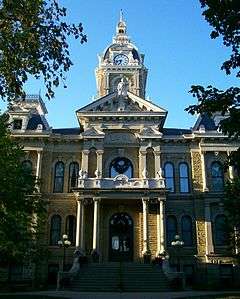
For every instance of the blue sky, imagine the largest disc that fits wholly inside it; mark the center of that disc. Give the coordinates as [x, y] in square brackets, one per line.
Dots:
[178, 53]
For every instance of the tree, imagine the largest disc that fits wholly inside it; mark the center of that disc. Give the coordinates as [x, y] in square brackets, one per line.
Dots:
[224, 17]
[21, 207]
[34, 42]
[232, 207]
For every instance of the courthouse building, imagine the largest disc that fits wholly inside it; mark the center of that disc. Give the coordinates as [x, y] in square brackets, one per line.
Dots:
[121, 185]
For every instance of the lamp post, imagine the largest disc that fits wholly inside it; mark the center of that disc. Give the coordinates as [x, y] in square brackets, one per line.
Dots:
[177, 243]
[64, 243]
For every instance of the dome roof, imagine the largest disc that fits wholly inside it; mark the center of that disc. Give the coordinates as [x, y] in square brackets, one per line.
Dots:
[113, 47]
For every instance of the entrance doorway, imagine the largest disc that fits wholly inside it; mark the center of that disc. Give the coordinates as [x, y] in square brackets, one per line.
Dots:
[120, 238]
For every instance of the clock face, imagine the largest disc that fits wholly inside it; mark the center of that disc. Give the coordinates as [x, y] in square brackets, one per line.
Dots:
[120, 59]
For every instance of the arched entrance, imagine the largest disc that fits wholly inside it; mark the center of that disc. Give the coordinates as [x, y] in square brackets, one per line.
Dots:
[120, 238]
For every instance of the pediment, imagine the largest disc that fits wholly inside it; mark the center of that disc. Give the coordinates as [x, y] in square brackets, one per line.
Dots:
[93, 132]
[115, 103]
[150, 132]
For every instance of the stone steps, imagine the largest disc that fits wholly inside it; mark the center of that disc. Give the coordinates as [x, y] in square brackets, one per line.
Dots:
[110, 277]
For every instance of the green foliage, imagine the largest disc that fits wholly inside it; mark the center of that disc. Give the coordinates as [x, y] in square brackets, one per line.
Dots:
[34, 41]
[231, 203]
[21, 208]
[224, 17]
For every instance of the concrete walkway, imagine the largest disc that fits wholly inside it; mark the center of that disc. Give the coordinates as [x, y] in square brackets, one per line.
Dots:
[163, 295]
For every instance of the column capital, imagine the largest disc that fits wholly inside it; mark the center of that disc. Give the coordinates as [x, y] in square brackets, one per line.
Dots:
[100, 152]
[142, 152]
[85, 151]
[96, 199]
[145, 199]
[162, 199]
[157, 153]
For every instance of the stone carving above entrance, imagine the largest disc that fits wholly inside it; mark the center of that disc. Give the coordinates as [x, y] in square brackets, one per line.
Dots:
[120, 138]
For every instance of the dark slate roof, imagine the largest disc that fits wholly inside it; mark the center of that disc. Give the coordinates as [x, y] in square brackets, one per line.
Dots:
[67, 131]
[207, 122]
[34, 121]
[175, 131]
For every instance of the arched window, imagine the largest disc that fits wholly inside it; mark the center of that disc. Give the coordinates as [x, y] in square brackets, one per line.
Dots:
[221, 236]
[217, 176]
[171, 229]
[150, 163]
[55, 230]
[27, 166]
[92, 163]
[58, 177]
[187, 233]
[121, 165]
[184, 177]
[169, 176]
[71, 228]
[73, 175]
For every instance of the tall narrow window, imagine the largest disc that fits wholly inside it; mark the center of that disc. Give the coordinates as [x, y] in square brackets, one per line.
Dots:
[73, 175]
[71, 228]
[58, 177]
[169, 176]
[184, 177]
[187, 234]
[150, 163]
[171, 229]
[221, 235]
[55, 230]
[217, 177]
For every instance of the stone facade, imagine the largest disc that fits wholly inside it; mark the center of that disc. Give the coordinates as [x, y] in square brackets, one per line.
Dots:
[136, 183]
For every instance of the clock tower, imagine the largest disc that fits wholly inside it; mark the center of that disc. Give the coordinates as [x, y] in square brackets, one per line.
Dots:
[121, 60]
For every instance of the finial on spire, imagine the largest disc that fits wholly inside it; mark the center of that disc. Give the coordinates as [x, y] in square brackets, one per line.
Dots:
[121, 15]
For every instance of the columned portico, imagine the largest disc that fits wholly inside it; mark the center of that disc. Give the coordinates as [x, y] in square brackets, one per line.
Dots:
[145, 202]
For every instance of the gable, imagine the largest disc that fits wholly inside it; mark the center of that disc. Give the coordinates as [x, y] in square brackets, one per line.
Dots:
[115, 103]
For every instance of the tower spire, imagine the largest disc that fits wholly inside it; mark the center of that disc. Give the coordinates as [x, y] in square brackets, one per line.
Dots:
[121, 16]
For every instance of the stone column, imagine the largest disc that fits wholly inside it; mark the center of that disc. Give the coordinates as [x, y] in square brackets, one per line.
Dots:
[96, 223]
[203, 165]
[39, 164]
[80, 228]
[142, 163]
[145, 201]
[161, 235]
[230, 169]
[99, 162]
[85, 161]
[231, 172]
[208, 230]
[158, 170]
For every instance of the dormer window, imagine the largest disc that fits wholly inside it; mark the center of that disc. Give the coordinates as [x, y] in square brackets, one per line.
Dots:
[17, 124]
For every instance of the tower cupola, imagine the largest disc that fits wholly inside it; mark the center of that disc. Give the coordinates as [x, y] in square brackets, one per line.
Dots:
[121, 60]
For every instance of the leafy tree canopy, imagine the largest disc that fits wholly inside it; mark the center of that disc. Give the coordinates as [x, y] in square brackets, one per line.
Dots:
[224, 17]
[20, 202]
[34, 41]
